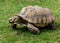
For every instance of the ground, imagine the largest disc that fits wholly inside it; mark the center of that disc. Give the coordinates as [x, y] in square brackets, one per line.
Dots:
[9, 8]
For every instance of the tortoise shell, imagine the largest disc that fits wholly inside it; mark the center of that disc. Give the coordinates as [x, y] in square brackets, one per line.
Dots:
[37, 15]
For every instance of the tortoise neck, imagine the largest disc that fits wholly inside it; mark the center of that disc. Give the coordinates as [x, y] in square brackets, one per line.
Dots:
[23, 21]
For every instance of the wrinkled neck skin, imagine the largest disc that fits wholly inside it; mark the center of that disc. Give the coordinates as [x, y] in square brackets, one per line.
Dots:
[22, 21]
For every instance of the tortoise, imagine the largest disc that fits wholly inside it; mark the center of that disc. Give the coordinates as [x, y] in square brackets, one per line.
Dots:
[33, 17]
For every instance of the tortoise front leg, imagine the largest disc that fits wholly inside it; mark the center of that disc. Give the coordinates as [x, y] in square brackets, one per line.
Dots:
[14, 26]
[32, 28]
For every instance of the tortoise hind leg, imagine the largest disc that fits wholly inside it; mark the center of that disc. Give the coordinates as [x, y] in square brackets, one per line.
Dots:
[32, 28]
[53, 26]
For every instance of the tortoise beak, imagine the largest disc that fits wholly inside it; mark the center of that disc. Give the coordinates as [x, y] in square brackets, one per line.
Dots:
[10, 21]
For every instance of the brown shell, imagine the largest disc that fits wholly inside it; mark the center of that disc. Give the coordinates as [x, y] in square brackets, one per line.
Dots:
[38, 15]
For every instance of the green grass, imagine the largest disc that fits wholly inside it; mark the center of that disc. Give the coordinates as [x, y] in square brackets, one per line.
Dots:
[9, 8]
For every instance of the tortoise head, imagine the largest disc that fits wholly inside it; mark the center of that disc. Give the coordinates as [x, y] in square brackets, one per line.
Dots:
[13, 19]
[17, 19]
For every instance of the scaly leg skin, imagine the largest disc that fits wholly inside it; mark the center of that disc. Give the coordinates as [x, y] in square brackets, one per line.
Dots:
[32, 28]
[52, 25]
[14, 26]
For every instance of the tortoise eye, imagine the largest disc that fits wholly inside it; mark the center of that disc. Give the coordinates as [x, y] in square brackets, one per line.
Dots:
[15, 19]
